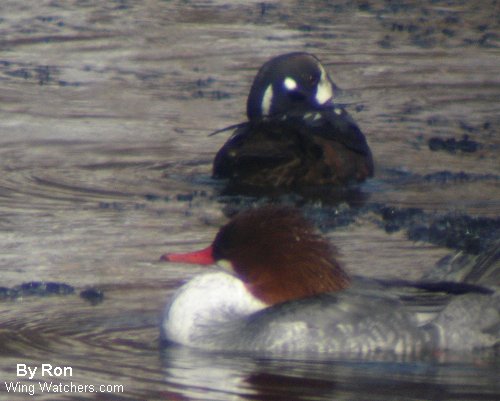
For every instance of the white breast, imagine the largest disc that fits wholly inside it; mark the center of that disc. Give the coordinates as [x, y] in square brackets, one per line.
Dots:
[206, 300]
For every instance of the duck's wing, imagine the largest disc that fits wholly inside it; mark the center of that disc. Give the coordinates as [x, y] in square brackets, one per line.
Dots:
[254, 148]
[336, 124]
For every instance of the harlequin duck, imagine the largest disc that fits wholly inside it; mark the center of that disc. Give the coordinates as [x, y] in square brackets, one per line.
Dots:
[295, 136]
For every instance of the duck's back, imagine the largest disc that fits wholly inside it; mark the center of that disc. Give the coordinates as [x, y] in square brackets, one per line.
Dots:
[315, 148]
[358, 322]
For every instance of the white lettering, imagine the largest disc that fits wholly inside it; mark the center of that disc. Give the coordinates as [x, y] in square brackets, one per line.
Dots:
[46, 368]
[111, 388]
[11, 386]
[18, 387]
[50, 387]
[23, 369]
[57, 371]
[44, 386]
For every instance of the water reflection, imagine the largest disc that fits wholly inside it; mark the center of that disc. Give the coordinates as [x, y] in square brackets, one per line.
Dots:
[239, 376]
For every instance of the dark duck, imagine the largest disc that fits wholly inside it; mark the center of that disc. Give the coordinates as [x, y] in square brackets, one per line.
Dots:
[295, 136]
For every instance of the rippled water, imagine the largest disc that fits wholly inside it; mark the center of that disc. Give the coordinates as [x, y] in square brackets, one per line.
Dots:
[105, 164]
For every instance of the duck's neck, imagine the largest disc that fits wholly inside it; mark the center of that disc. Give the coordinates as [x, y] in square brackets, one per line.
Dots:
[206, 301]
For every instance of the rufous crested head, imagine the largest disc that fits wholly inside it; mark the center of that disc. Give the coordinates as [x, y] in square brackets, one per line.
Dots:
[276, 252]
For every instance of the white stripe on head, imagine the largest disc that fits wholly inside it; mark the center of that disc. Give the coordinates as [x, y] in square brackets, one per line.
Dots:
[266, 100]
[324, 93]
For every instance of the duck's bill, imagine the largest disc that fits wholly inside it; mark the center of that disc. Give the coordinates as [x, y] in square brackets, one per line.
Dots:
[201, 257]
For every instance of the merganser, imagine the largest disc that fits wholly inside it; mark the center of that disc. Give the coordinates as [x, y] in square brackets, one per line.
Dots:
[278, 287]
[295, 136]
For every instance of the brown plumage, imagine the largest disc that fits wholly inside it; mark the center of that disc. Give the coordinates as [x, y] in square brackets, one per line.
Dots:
[279, 255]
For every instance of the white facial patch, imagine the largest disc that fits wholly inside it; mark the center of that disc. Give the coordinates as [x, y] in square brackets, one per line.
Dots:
[290, 84]
[266, 100]
[325, 91]
[226, 265]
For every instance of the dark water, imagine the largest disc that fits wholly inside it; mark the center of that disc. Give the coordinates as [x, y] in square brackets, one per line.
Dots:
[105, 164]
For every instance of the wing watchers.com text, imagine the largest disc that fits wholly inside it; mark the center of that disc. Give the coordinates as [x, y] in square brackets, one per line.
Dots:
[64, 388]
[27, 384]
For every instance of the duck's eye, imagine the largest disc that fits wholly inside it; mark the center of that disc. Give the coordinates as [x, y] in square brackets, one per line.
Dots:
[312, 79]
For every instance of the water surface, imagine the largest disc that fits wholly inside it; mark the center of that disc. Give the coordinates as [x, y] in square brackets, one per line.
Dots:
[105, 162]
